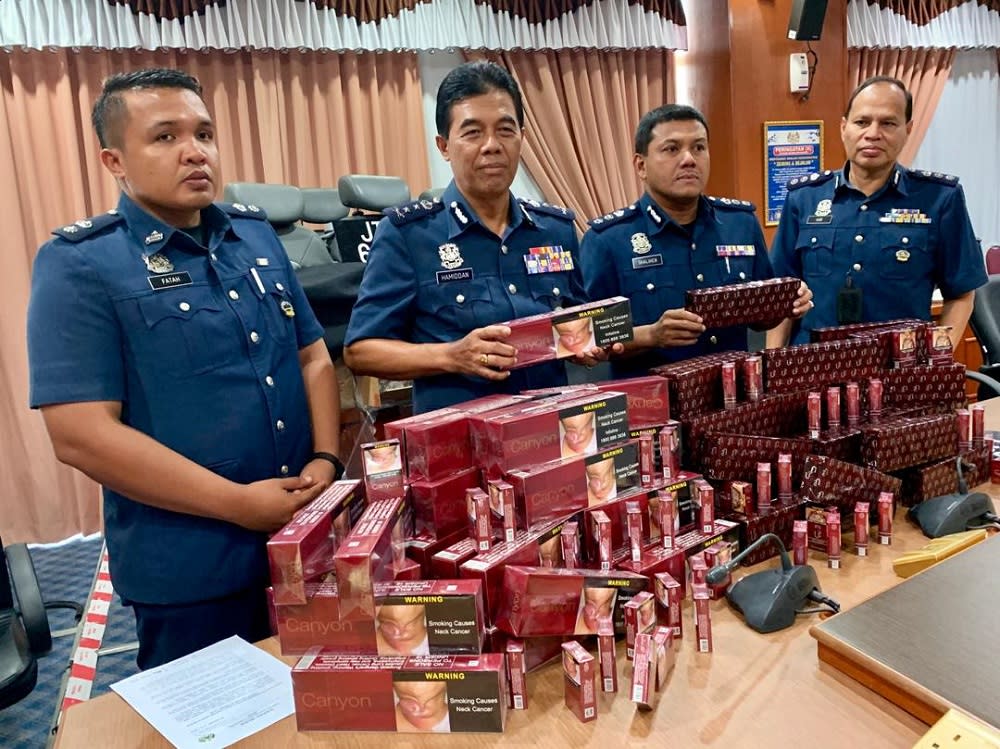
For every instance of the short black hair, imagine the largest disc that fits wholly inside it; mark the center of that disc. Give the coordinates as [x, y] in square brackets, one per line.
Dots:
[110, 110]
[666, 113]
[474, 79]
[882, 79]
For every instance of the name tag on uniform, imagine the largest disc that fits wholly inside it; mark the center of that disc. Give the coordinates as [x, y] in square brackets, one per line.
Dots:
[646, 262]
[819, 219]
[735, 250]
[459, 274]
[169, 280]
[550, 259]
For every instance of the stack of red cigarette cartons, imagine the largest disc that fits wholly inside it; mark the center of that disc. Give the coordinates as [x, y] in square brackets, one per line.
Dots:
[937, 388]
[751, 303]
[430, 693]
[788, 370]
[828, 482]
[905, 442]
[696, 384]
[941, 477]
[303, 550]
[648, 399]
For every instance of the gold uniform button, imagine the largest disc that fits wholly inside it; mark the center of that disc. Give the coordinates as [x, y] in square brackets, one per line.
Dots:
[234, 295]
[184, 307]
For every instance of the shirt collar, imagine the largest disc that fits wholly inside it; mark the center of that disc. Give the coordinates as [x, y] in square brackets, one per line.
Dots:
[153, 235]
[897, 181]
[657, 219]
[461, 216]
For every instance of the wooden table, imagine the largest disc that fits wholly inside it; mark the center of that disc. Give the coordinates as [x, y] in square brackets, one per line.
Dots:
[753, 691]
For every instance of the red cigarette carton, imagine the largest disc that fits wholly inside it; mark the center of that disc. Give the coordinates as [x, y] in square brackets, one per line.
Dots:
[753, 378]
[938, 342]
[821, 364]
[569, 540]
[370, 554]
[560, 487]
[744, 303]
[427, 617]
[421, 547]
[885, 508]
[382, 463]
[408, 570]
[445, 563]
[418, 694]
[481, 522]
[833, 538]
[517, 675]
[648, 399]
[601, 528]
[698, 568]
[640, 618]
[539, 601]
[696, 384]
[715, 555]
[800, 542]
[635, 519]
[303, 550]
[434, 445]
[853, 404]
[578, 670]
[437, 504]
[670, 452]
[317, 623]
[571, 331]
[647, 466]
[763, 486]
[503, 509]
[737, 496]
[729, 384]
[706, 505]
[978, 425]
[784, 477]
[606, 654]
[669, 595]
[548, 430]
[814, 415]
[964, 429]
[702, 618]
[861, 528]
[664, 655]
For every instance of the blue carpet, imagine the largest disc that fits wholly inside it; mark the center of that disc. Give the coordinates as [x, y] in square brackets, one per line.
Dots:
[66, 572]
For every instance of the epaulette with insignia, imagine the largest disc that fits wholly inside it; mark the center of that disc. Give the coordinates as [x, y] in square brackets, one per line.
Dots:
[740, 205]
[816, 178]
[940, 177]
[615, 217]
[86, 227]
[547, 208]
[244, 211]
[407, 212]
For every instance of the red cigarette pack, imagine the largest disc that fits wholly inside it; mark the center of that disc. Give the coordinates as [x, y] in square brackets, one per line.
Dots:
[648, 399]
[665, 656]
[578, 671]
[517, 674]
[718, 553]
[503, 509]
[423, 546]
[861, 528]
[702, 618]
[669, 596]
[800, 542]
[433, 445]
[437, 504]
[606, 654]
[643, 691]
[886, 505]
[418, 694]
[833, 538]
[640, 619]
[445, 563]
[382, 463]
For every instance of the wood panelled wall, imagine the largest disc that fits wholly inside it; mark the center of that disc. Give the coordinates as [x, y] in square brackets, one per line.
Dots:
[737, 74]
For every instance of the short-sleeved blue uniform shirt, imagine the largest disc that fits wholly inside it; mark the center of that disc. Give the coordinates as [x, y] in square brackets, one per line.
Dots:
[895, 246]
[435, 273]
[641, 253]
[200, 345]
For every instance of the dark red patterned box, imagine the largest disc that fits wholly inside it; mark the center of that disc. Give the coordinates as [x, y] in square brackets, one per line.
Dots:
[830, 482]
[744, 303]
[778, 520]
[843, 332]
[816, 365]
[911, 441]
[934, 480]
[696, 384]
[936, 388]
[917, 340]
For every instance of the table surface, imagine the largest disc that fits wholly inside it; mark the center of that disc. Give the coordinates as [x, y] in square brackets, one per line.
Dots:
[753, 691]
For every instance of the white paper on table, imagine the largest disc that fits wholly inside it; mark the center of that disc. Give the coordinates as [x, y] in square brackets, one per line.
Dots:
[213, 697]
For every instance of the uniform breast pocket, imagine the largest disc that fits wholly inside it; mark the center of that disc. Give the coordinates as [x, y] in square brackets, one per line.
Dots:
[460, 305]
[904, 253]
[188, 332]
[548, 289]
[277, 308]
[651, 291]
[815, 248]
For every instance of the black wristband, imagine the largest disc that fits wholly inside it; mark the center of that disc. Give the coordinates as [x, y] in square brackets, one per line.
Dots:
[338, 467]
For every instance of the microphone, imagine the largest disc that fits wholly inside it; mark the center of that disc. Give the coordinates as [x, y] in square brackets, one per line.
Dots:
[718, 574]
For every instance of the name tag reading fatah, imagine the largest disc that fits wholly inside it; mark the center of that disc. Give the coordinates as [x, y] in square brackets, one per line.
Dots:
[170, 281]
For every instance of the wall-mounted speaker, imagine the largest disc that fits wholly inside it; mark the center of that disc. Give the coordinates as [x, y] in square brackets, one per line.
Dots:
[805, 24]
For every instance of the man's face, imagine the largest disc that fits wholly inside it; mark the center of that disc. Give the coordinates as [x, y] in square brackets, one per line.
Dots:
[875, 130]
[574, 335]
[167, 159]
[422, 703]
[578, 432]
[600, 480]
[402, 627]
[675, 167]
[483, 144]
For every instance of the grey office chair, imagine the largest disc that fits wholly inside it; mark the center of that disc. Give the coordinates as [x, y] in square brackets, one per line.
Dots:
[284, 206]
[985, 323]
[369, 192]
[321, 205]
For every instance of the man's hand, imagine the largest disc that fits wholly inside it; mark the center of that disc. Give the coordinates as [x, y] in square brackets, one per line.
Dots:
[319, 472]
[803, 302]
[483, 353]
[596, 355]
[676, 327]
[269, 504]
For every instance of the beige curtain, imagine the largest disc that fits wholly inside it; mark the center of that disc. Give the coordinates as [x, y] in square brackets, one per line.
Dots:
[923, 71]
[581, 111]
[298, 118]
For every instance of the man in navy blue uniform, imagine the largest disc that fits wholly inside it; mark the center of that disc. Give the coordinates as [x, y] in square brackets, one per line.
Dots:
[443, 273]
[873, 239]
[673, 239]
[176, 361]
